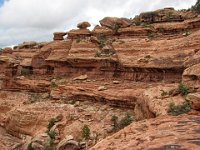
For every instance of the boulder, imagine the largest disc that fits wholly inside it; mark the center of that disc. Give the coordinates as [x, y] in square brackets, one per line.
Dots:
[114, 22]
[82, 77]
[99, 31]
[161, 15]
[41, 141]
[83, 25]
[27, 45]
[102, 88]
[68, 143]
[7, 50]
[79, 33]
[59, 35]
[191, 76]
[194, 99]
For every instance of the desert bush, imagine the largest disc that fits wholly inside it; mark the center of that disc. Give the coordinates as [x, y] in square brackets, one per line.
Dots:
[51, 123]
[78, 40]
[26, 71]
[102, 40]
[115, 28]
[182, 89]
[98, 53]
[176, 110]
[34, 97]
[164, 93]
[161, 30]
[125, 121]
[86, 132]
[186, 32]
[114, 119]
[30, 147]
[52, 134]
[151, 36]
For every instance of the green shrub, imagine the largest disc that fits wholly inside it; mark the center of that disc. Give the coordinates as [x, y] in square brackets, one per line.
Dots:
[98, 53]
[78, 40]
[151, 36]
[179, 109]
[52, 134]
[114, 119]
[86, 132]
[101, 44]
[161, 30]
[147, 25]
[186, 32]
[30, 147]
[34, 97]
[115, 28]
[54, 85]
[164, 93]
[125, 121]
[102, 40]
[182, 89]
[51, 123]
[26, 71]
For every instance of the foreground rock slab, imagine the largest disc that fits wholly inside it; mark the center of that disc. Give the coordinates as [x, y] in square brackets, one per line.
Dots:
[162, 133]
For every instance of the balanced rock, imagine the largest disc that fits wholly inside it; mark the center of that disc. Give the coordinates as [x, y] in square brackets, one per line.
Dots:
[59, 35]
[114, 22]
[83, 25]
[27, 45]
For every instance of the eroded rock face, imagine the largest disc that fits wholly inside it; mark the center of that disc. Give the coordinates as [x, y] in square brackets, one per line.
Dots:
[194, 99]
[95, 78]
[161, 15]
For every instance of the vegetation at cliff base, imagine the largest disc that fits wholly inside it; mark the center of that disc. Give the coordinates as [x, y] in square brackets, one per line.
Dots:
[176, 110]
[125, 121]
[183, 90]
[86, 132]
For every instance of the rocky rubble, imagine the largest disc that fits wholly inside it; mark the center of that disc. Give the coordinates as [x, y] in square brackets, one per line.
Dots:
[80, 90]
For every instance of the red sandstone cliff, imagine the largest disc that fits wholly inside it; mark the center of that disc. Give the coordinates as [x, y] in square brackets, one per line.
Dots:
[123, 66]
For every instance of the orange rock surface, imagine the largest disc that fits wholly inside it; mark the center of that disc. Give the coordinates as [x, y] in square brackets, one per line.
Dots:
[76, 90]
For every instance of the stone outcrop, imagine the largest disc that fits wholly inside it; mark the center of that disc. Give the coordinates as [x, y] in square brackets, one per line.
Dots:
[59, 35]
[163, 15]
[194, 99]
[41, 141]
[83, 25]
[114, 22]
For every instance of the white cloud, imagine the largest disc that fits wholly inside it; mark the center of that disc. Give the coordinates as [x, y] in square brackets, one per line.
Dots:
[28, 20]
